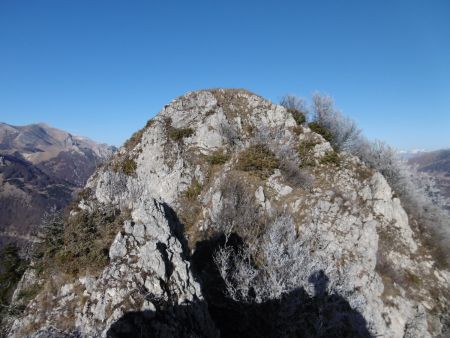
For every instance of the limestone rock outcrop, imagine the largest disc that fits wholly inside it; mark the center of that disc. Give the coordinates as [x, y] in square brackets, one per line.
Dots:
[170, 176]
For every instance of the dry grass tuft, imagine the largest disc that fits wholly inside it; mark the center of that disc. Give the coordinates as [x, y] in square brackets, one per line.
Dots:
[218, 157]
[305, 152]
[258, 159]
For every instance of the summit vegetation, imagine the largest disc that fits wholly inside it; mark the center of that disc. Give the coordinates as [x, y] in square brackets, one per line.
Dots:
[412, 187]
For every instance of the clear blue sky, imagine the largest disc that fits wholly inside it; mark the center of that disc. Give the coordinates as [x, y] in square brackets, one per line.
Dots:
[103, 68]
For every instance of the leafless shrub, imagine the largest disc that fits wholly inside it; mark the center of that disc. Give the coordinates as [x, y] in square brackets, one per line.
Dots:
[430, 187]
[293, 102]
[381, 157]
[268, 269]
[281, 259]
[268, 262]
[135, 190]
[344, 132]
[237, 271]
[294, 175]
[285, 147]
[229, 133]
[278, 141]
[239, 212]
[416, 191]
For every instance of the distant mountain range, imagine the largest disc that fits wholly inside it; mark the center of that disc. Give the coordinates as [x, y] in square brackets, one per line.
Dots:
[406, 154]
[41, 168]
[436, 163]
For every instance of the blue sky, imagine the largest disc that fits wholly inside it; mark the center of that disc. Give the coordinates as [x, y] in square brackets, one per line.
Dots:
[103, 68]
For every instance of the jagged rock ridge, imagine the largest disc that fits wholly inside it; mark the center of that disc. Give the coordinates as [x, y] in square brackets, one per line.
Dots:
[171, 177]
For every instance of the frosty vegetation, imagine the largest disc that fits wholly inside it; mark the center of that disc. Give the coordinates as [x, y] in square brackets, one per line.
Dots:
[268, 261]
[417, 191]
[277, 268]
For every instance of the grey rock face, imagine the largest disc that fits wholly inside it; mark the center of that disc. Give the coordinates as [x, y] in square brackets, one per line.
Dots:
[348, 222]
[146, 269]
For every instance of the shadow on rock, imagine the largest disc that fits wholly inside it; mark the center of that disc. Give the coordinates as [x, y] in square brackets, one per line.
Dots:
[296, 314]
[188, 320]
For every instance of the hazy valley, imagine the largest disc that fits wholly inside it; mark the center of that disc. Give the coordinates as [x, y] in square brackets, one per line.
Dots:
[437, 164]
[41, 168]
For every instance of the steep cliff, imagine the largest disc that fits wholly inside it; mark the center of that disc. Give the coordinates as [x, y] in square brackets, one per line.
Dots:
[322, 241]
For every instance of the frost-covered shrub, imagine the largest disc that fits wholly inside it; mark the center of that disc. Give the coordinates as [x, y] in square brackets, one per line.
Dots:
[417, 193]
[268, 261]
[341, 131]
[266, 270]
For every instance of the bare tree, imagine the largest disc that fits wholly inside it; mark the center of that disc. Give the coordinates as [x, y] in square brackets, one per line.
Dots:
[293, 102]
[297, 107]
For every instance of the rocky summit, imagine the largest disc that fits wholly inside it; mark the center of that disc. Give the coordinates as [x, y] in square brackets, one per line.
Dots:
[228, 216]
